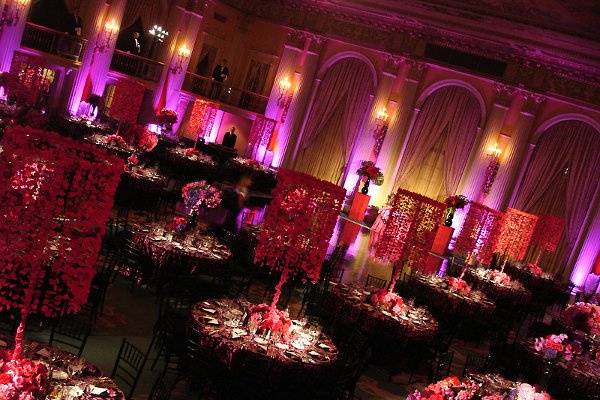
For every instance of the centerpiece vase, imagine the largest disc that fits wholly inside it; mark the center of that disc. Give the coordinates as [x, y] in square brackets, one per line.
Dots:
[449, 216]
[365, 188]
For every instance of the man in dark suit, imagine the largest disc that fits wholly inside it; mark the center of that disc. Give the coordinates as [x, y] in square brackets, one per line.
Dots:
[219, 76]
[229, 138]
[133, 45]
[75, 24]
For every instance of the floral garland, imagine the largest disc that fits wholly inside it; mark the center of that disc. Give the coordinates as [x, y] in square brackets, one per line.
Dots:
[584, 317]
[202, 117]
[200, 194]
[388, 301]
[554, 346]
[516, 232]
[299, 223]
[127, 100]
[267, 318]
[548, 232]
[22, 379]
[370, 171]
[410, 228]
[490, 175]
[54, 216]
[479, 232]
[166, 117]
[459, 285]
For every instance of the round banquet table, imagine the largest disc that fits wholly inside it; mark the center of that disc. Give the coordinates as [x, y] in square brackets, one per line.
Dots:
[579, 377]
[506, 296]
[284, 365]
[449, 304]
[351, 306]
[195, 252]
[71, 376]
[140, 188]
[98, 140]
[263, 179]
[542, 287]
[189, 166]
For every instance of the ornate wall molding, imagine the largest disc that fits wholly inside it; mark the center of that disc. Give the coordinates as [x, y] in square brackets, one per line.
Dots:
[567, 72]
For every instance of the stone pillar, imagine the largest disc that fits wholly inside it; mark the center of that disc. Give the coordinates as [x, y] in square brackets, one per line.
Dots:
[527, 105]
[297, 64]
[185, 25]
[471, 183]
[400, 123]
[365, 140]
[99, 49]
[589, 246]
[12, 32]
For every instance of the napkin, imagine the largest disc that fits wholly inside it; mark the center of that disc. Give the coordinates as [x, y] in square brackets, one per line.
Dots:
[97, 390]
[59, 375]
[43, 352]
[213, 322]
[209, 310]
[324, 346]
[3, 343]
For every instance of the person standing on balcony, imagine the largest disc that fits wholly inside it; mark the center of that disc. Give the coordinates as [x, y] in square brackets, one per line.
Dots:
[75, 24]
[133, 44]
[219, 76]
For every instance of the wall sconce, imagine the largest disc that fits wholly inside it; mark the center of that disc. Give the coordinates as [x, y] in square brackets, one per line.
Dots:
[11, 18]
[285, 96]
[492, 169]
[381, 127]
[105, 37]
[183, 53]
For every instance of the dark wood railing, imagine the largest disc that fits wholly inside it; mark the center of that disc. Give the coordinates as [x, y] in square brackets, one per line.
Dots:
[137, 66]
[50, 41]
[224, 93]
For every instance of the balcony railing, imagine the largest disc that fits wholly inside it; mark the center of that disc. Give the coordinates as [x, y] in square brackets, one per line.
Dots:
[224, 93]
[48, 40]
[137, 66]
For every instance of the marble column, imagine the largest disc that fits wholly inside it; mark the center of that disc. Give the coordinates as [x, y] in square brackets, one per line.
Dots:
[589, 248]
[403, 99]
[185, 25]
[364, 140]
[471, 183]
[12, 32]
[515, 150]
[298, 64]
[99, 49]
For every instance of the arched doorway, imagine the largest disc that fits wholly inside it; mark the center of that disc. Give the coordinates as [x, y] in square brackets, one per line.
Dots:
[335, 118]
[562, 179]
[440, 142]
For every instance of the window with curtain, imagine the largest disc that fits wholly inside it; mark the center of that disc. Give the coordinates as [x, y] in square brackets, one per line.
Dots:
[256, 78]
[563, 179]
[440, 143]
[334, 119]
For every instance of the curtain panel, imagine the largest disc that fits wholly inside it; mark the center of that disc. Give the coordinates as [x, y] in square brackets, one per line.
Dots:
[562, 179]
[336, 116]
[450, 115]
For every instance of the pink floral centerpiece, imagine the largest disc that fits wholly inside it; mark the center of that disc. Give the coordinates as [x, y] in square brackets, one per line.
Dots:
[500, 277]
[22, 379]
[269, 319]
[115, 140]
[191, 152]
[583, 316]
[147, 141]
[388, 301]
[132, 160]
[200, 194]
[447, 389]
[459, 285]
[535, 269]
[179, 224]
[554, 346]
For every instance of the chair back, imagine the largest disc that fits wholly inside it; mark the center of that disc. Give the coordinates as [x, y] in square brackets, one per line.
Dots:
[161, 390]
[72, 334]
[129, 366]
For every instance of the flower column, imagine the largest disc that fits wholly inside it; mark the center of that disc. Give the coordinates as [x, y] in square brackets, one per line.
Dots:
[518, 123]
[402, 98]
[15, 16]
[101, 32]
[299, 65]
[177, 58]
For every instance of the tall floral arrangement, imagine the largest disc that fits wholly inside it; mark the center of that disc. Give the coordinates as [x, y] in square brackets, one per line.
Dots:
[584, 317]
[56, 195]
[197, 195]
[127, 100]
[515, 234]
[166, 117]
[454, 203]
[479, 232]
[370, 173]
